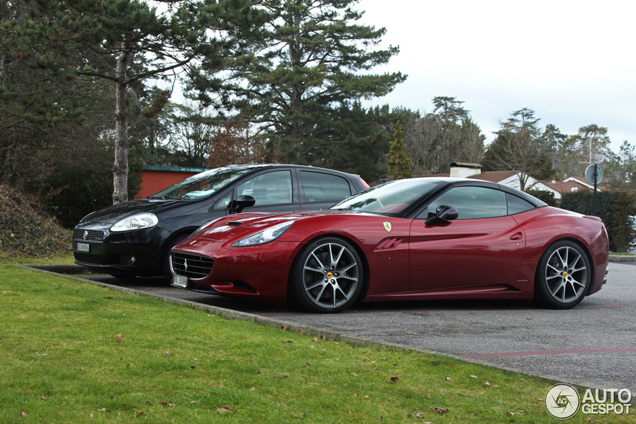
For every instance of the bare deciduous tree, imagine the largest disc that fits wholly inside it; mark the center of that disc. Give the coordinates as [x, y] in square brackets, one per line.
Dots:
[447, 135]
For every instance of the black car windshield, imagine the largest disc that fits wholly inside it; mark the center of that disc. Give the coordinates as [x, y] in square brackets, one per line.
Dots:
[203, 184]
[390, 198]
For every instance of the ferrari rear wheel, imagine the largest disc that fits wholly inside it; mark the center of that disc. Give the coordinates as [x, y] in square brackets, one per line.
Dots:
[327, 275]
[564, 276]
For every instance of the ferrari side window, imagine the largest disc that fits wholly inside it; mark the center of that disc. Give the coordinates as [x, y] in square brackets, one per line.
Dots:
[517, 204]
[472, 202]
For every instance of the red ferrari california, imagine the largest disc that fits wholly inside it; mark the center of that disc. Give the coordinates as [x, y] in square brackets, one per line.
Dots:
[414, 239]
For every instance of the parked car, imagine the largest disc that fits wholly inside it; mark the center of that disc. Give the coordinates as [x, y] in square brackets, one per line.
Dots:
[135, 238]
[414, 239]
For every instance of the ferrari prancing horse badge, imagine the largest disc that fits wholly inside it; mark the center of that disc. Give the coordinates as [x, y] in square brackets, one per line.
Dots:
[387, 226]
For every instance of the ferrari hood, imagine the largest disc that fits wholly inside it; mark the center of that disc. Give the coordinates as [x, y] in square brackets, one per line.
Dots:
[242, 225]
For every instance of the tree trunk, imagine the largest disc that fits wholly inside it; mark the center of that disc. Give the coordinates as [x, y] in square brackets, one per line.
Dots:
[120, 167]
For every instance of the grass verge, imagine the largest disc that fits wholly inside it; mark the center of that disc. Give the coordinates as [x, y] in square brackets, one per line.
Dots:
[73, 352]
[56, 259]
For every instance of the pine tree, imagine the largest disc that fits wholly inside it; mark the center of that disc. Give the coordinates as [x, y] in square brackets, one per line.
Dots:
[399, 164]
[303, 72]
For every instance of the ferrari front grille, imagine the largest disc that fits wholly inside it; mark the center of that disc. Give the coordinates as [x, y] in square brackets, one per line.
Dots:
[191, 266]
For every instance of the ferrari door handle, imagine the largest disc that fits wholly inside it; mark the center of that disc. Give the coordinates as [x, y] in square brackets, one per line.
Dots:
[516, 236]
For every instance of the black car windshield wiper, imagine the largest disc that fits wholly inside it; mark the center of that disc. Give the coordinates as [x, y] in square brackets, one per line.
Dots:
[165, 197]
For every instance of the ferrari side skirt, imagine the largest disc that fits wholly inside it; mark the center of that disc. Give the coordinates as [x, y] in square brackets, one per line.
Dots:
[498, 291]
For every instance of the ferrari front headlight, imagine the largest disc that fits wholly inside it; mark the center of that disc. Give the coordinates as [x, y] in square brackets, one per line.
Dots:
[265, 236]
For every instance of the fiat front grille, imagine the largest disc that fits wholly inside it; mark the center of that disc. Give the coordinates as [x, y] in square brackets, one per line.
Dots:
[94, 235]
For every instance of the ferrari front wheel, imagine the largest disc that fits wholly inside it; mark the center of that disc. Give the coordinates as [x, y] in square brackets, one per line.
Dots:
[327, 275]
[564, 276]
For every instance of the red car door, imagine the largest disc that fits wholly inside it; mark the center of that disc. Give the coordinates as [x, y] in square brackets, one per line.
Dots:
[483, 246]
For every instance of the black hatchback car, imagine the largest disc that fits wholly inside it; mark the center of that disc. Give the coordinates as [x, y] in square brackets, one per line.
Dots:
[135, 238]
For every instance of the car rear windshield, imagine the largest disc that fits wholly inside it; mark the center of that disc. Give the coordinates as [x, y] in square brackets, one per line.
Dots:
[201, 185]
[391, 198]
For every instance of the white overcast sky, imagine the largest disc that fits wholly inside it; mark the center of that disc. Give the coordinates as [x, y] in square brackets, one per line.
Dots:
[572, 62]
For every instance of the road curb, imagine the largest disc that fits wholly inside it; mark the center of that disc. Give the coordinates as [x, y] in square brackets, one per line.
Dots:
[626, 258]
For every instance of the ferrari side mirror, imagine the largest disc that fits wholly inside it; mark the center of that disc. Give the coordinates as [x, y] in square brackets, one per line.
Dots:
[444, 213]
[237, 205]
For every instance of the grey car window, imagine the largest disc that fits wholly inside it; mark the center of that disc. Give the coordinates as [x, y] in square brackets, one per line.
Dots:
[224, 202]
[319, 187]
[271, 188]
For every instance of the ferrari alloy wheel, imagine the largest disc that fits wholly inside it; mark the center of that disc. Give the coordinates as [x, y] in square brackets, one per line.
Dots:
[327, 275]
[563, 276]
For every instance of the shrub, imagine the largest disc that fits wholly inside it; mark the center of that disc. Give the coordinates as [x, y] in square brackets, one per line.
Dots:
[615, 208]
[25, 231]
[543, 195]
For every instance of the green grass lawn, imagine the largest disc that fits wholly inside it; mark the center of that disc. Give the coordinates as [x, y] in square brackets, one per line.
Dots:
[71, 352]
[47, 260]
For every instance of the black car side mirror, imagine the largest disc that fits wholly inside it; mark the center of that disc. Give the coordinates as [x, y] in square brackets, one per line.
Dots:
[444, 213]
[237, 205]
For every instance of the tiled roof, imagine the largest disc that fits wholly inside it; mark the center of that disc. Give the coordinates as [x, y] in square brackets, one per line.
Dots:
[495, 176]
[572, 184]
[565, 186]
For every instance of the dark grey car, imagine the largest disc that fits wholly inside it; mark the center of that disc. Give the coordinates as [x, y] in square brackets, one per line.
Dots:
[135, 238]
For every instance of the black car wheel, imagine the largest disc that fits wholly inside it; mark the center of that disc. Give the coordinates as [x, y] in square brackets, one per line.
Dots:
[564, 276]
[327, 275]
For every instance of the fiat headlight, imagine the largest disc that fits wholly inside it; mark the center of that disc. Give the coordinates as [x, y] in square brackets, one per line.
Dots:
[268, 235]
[136, 222]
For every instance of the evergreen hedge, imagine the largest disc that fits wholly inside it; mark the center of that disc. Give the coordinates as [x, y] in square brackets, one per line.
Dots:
[617, 209]
[543, 195]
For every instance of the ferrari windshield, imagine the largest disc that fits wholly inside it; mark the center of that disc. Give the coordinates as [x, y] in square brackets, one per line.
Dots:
[389, 198]
[203, 184]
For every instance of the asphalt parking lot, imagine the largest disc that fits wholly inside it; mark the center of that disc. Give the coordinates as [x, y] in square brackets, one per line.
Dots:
[592, 345]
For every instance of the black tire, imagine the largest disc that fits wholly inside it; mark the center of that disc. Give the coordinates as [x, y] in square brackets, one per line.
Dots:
[327, 276]
[165, 257]
[564, 276]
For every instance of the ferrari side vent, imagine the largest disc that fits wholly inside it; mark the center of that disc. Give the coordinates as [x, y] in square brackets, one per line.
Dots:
[389, 243]
[191, 266]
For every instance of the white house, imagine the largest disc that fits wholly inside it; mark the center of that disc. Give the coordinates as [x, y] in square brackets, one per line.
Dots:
[513, 179]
